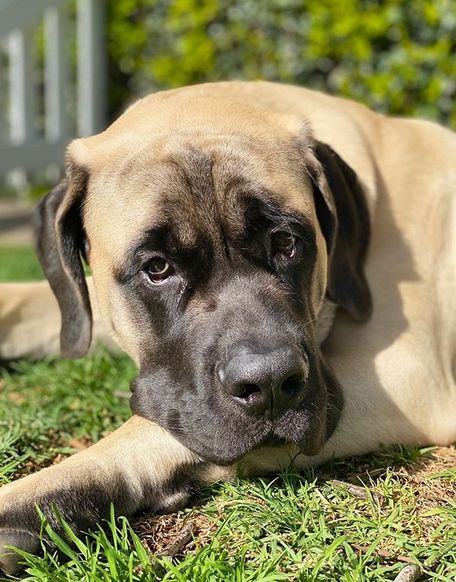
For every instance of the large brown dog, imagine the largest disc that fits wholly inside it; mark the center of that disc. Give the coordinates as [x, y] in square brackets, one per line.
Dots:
[225, 224]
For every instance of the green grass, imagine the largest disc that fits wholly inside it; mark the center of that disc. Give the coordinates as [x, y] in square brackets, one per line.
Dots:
[19, 264]
[353, 520]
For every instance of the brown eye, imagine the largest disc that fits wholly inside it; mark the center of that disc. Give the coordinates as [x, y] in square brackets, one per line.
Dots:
[283, 242]
[158, 270]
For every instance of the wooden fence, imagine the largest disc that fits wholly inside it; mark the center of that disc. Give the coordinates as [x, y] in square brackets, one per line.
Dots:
[44, 102]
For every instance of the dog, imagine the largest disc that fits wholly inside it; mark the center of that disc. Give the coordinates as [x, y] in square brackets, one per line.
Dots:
[280, 264]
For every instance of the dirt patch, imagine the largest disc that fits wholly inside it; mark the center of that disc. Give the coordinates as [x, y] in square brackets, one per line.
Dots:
[174, 534]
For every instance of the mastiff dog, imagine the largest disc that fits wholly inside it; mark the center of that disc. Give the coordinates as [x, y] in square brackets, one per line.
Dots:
[280, 264]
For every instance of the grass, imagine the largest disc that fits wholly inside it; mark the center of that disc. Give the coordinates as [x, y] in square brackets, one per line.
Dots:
[361, 519]
[19, 264]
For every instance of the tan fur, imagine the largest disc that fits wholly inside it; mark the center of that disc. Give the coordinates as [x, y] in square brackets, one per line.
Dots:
[397, 370]
[30, 321]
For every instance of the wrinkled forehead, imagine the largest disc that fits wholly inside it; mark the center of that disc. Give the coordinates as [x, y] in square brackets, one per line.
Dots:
[193, 183]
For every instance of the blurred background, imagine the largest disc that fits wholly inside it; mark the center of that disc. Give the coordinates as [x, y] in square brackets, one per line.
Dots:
[68, 67]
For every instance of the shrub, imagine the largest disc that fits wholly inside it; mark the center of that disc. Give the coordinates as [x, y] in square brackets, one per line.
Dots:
[397, 56]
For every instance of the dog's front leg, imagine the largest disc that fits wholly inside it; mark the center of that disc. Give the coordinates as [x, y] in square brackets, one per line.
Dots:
[139, 466]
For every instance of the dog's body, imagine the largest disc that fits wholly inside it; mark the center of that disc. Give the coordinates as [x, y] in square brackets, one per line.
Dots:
[336, 174]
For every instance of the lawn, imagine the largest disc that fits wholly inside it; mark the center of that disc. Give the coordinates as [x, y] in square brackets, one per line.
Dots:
[352, 520]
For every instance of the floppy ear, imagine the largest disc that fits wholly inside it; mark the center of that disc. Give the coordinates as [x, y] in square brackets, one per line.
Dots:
[59, 244]
[344, 220]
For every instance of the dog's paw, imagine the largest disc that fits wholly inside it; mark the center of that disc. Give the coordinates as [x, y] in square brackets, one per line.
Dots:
[10, 561]
[20, 522]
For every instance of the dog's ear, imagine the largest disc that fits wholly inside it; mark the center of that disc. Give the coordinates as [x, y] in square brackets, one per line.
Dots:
[60, 243]
[344, 220]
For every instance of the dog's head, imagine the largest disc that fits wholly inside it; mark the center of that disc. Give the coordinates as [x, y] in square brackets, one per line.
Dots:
[215, 231]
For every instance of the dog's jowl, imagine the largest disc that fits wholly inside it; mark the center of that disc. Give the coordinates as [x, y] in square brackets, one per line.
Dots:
[263, 253]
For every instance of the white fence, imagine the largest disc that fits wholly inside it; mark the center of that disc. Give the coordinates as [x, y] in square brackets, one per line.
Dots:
[37, 117]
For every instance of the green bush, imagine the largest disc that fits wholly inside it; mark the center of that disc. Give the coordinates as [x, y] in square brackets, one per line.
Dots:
[397, 56]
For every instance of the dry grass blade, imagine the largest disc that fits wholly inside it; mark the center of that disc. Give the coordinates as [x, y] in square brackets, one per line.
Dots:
[385, 554]
[183, 538]
[355, 490]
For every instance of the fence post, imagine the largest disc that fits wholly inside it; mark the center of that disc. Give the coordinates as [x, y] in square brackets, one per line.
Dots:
[56, 73]
[4, 134]
[21, 97]
[91, 66]
[21, 109]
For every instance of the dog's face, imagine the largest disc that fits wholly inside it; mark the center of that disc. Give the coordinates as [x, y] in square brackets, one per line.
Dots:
[212, 246]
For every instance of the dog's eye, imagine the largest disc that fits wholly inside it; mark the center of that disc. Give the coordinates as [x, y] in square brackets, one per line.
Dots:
[284, 243]
[158, 270]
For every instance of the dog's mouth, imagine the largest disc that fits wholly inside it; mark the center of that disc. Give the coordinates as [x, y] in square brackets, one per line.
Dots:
[287, 426]
[227, 448]
[225, 436]
[282, 398]
[221, 434]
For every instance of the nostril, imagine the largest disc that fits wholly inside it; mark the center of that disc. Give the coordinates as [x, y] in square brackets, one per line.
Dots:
[292, 385]
[246, 392]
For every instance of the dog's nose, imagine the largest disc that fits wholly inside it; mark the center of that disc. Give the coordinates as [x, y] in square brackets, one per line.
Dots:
[264, 384]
